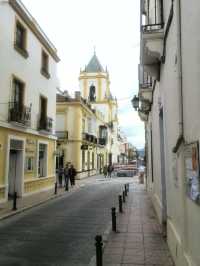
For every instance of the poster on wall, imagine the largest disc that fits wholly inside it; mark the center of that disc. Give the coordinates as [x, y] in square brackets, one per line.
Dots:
[191, 158]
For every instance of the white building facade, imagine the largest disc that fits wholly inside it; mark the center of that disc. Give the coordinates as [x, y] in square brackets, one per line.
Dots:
[169, 105]
[28, 83]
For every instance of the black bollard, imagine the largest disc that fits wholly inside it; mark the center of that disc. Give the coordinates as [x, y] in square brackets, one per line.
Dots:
[124, 197]
[114, 226]
[120, 204]
[99, 254]
[15, 201]
[56, 188]
[126, 192]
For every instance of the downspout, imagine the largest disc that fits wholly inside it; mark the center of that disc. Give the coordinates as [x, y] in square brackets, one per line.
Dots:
[180, 139]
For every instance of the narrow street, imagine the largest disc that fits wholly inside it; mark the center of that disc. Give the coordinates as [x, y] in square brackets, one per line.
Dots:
[62, 231]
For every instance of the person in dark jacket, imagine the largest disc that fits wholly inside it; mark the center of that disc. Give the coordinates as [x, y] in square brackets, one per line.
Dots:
[105, 171]
[66, 175]
[72, 175]
[60, 176]
[110, 170]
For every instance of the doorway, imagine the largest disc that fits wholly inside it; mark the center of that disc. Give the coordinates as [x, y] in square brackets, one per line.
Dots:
[15, 174]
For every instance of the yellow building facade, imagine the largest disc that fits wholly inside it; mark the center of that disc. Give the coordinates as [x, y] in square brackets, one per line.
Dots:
[87, 125]
[78, 130]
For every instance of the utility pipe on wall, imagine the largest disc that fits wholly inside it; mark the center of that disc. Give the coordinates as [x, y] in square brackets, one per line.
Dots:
[180, 77]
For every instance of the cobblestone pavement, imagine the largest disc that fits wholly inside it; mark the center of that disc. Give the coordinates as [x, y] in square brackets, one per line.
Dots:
[139, 241]
[60, 232]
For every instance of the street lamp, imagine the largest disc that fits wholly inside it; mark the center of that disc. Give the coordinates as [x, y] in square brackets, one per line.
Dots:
[135, 102]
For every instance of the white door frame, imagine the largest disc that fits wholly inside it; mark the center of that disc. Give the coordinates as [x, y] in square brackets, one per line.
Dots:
[13, 137]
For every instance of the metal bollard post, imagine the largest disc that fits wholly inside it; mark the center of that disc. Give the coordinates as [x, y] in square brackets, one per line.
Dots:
[123, 195]
[120, 204]
[56, 188]
[114, 226]
[99, 254]
[126, 192]
[15, 201]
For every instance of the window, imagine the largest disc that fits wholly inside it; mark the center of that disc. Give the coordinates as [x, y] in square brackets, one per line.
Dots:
[92, 96]
[29, 164]
[45, 65]
[83, 125]
[21, 39]
[93, 160]
[43, 113]
[83, 160]
[18, 92]
[42, 160]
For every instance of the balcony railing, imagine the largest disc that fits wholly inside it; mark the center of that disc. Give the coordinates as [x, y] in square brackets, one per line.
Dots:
[146, 85]
[152, 27]
[19, 113]
[46, 124]
[89, 138]
[62, 135]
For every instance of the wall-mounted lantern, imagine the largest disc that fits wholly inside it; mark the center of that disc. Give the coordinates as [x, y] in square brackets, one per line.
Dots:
[135, 102]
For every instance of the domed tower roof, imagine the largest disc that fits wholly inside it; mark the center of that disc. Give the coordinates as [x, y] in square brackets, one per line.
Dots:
[94, 66]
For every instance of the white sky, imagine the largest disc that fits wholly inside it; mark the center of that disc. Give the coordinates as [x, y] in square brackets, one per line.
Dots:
[112, 26]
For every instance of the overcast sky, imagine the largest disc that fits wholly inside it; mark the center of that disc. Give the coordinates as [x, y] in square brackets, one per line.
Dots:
[112, 26]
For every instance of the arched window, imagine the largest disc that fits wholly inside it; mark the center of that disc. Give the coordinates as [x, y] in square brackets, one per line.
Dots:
[92, 95]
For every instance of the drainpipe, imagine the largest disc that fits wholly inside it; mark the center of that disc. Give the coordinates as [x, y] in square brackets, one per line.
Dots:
[180, 139]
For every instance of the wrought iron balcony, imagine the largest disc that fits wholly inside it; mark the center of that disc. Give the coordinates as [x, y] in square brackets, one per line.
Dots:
[89, 138]
[45, 123]
[62, 135]
[152, 46]
[19, 113]
[151, 28]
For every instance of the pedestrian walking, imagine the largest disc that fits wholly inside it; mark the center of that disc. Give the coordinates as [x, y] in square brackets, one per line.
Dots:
[66, 175]
[72, 175]
[60, 176]
[105, 171]
[110, 169]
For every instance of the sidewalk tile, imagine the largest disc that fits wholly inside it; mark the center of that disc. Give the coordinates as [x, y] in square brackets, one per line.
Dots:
[139, 241]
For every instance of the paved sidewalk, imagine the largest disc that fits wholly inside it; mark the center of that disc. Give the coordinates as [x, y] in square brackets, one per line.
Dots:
[39, 198]
[139, 240]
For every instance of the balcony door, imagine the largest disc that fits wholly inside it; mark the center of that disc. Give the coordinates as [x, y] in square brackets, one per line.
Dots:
[43, 107]
[18, 87]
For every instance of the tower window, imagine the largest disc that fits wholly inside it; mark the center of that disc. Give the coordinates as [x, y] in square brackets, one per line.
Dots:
[92, 96]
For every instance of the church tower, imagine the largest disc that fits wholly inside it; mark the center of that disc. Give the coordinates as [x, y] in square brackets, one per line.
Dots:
[95, 88]
[94, 81]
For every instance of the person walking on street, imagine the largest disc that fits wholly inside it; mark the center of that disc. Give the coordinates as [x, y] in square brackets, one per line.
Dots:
[66, 175]
[60, 176]
[110, 169]
[72, 175]
[105, 171]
